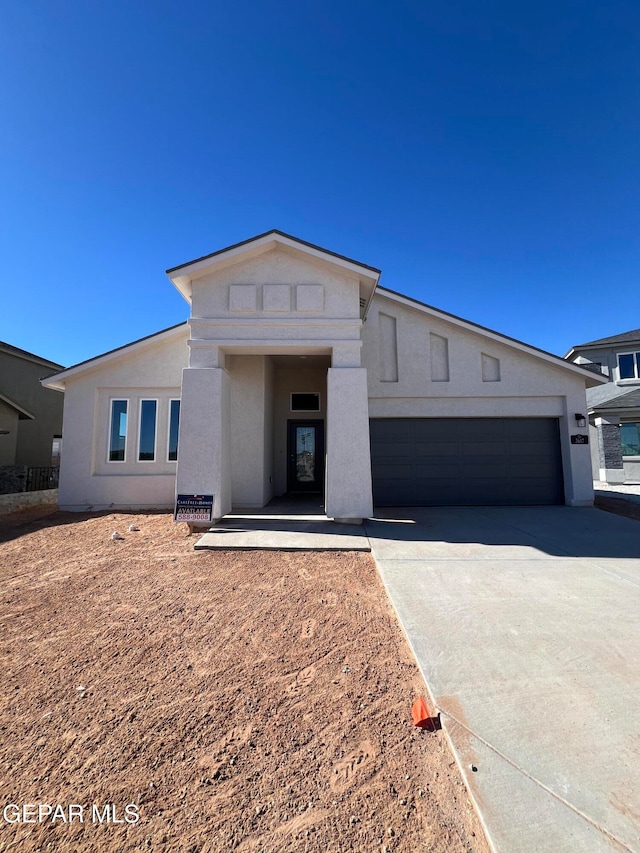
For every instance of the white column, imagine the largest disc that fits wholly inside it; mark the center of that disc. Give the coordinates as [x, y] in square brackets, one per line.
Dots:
[348, 495]
[576, 458]
[204, 456]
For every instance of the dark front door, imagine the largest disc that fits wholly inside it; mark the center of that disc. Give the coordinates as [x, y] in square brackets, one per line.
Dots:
[305, 452]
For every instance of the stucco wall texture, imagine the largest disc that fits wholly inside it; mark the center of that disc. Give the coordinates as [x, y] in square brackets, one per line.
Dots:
[87, 479]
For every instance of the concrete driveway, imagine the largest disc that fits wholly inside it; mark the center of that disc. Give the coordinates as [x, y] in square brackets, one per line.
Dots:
[526, 625]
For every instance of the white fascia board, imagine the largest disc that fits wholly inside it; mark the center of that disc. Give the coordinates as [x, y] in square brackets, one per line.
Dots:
[591, 379]
[57, 381]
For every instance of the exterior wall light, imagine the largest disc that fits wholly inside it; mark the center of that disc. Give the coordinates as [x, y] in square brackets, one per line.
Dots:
[581, 421]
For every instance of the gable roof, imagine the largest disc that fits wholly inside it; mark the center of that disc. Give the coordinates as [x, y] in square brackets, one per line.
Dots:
[183, 275]
[592, 379]
[623, 338]
[276, 233]
[27, 356]
[612, 397]
[58, 379]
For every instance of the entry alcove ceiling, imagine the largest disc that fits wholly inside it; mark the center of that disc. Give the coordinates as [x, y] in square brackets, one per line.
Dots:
[288, 362]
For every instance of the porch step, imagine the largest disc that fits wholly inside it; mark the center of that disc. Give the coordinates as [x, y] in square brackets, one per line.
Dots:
[269, 534]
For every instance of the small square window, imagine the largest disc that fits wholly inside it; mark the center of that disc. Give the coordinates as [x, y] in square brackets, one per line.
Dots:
[305, 402]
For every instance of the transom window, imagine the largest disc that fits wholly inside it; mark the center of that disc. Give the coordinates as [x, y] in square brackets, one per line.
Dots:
[305, 401]
[629, 365]
[630, 439]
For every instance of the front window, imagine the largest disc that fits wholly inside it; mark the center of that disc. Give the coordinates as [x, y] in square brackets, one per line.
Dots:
[630, 439]
[147, 438]
[174, 423]
[629, 365]
[118, 431]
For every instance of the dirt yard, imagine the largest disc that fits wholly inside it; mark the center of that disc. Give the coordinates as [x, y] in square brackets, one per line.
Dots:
[247, 701]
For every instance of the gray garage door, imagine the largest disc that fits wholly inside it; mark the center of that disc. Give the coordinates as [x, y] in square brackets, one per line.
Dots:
[466, 461]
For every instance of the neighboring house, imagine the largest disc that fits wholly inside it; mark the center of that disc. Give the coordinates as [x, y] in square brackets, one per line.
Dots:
[296, 372]
[614, 408]
[30, 415]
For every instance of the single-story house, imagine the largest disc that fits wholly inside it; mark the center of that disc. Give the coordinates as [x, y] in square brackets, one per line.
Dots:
[297, 372]
[613, 408]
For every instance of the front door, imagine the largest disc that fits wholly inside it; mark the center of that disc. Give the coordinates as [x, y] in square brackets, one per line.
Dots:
[305, 453]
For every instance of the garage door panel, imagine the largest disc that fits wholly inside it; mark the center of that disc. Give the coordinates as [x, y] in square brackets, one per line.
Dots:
[482, 429]
[436, 470]
[533, 429]
[474, 461]
[433, 450]
[388, 470]
[482, 448]
[395, 491]
[389, 450]
[532, 471]
[391, 430]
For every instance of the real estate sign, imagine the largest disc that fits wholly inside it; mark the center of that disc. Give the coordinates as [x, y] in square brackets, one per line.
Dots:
[193, 508]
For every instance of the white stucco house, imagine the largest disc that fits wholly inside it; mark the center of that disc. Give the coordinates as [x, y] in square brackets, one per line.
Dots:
[297, 372]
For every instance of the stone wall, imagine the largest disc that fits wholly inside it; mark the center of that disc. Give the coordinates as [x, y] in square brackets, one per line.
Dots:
[22, 500]
[13, 478]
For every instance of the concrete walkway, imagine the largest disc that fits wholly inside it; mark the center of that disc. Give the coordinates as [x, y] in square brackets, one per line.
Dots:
[526, 625]
[297, 524]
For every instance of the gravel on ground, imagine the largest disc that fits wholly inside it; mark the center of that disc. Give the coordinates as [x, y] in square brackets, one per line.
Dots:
[249, 701]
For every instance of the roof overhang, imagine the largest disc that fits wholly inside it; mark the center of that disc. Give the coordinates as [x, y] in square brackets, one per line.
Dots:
[23, 414]
[183, 276]
[591, 379]
[28, 356]
[58, 380]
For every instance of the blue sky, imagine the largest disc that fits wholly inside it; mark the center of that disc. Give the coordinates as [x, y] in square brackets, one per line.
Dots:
[485, 156]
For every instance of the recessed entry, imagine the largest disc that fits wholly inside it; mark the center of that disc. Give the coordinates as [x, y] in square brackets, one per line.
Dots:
[305, 401]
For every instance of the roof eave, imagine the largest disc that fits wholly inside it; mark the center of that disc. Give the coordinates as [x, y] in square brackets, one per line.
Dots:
[183, 275]
[23, 414]
[57, 381]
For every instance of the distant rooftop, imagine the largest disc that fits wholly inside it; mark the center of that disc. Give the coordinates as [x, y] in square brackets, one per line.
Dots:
[23, 353]
[624, 338]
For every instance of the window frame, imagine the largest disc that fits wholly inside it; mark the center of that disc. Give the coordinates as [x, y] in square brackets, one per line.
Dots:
[630, 456]
[155, 429]
[306, 393]
[173, 400]
[635, 354]
[113, 400]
